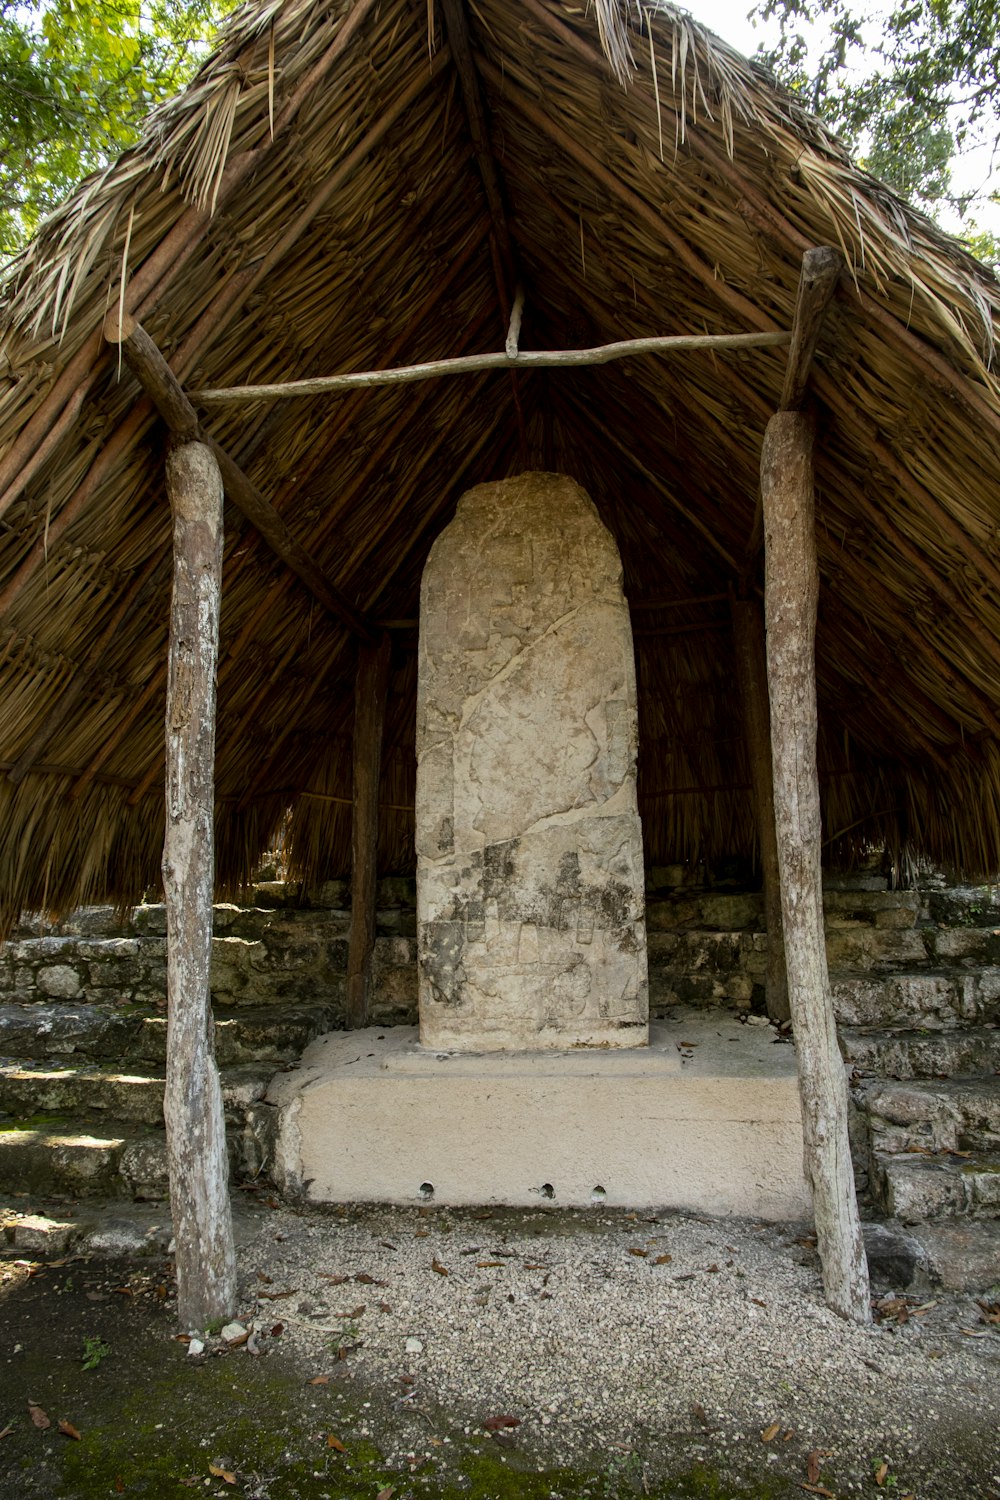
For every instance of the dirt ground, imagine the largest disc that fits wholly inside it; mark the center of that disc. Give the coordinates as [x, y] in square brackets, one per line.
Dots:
[99, 1396]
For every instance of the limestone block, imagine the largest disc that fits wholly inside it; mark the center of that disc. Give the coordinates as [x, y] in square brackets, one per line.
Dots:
[370, 1116]
[530, 899]
[59, 981]
[41, 1236]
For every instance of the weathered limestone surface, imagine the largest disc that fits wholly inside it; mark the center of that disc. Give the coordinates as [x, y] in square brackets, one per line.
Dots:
[530, 889]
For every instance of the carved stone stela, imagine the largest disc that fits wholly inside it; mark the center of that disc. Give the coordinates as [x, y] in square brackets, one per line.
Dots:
[530, 896]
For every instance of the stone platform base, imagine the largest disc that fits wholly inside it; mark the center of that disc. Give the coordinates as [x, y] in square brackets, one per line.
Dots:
[705, 1118]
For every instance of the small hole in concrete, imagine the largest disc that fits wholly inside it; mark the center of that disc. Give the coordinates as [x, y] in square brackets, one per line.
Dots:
[547, 1190]
[427, 1191]
[598, 1195]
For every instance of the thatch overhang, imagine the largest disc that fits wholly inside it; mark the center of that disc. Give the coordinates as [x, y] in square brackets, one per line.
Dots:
[321, 199]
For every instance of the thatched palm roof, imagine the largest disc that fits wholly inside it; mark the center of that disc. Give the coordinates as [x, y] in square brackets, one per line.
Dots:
[315, 202]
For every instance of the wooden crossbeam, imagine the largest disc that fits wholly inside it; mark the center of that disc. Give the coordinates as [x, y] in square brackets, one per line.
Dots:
[162, 386]
[472, 364]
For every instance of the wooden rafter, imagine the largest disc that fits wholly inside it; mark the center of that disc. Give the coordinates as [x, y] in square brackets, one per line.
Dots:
[162, 386]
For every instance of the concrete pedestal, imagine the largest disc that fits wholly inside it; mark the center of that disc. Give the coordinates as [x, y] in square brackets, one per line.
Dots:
[706, 1118]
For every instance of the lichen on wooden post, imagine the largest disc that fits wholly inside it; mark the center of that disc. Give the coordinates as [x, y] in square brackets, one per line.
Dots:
[791, 591]
[196, 1136]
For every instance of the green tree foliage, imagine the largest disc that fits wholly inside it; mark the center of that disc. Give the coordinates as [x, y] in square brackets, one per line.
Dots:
[76, 79]
[908, 87]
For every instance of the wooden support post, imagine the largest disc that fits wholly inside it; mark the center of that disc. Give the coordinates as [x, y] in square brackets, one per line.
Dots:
[751, 670]
[197, 1161]
[370, 693]
[791, 591]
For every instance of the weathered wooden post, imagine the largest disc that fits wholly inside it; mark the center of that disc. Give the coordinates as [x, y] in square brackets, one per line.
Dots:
[196, 1134]
[791, 591]
[751, 671]
[370, 693]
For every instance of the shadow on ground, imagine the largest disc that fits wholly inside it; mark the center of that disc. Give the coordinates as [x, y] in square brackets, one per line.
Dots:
[98, 1397]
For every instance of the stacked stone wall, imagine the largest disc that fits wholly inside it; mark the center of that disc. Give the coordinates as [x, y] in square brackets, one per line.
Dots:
[286, 945]
[892, 954]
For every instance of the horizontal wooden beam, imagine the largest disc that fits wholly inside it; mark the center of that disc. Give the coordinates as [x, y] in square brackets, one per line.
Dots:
[160, 383]
[470, 364]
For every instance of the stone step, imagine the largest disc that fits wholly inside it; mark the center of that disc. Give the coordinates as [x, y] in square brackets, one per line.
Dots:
[956, 1114]
[81, 1157]
[137, 1034]
[932, 998]
[913, 1186]
[923, 1053]
[963, 906]
[30, 1088]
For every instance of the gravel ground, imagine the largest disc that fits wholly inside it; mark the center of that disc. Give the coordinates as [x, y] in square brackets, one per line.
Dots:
[395, 1354]
[666, 1340]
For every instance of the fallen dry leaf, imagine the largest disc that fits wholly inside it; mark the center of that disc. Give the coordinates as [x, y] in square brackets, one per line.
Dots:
[813, 1460]
[531, 1265]
[38, 1417]
[333, 1280]
[6, 1433]
[366, 1280]
[881, 1472]
[488, 1265]
[278, 1296]
[439, 1268]
[68, 1430]
[335, 1443]
[120, 1484]
[387, 1493]
[225, 1474]
[770, 1433]
[818, 1489]
[497, 1424]
[663, 1260]
[319, 1380]
[757, 1302]
[355, 1312]
[635, 1250]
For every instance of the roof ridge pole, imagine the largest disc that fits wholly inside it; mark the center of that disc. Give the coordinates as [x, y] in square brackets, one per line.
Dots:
[791, 592]
[197, 1160]
[506, 270]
